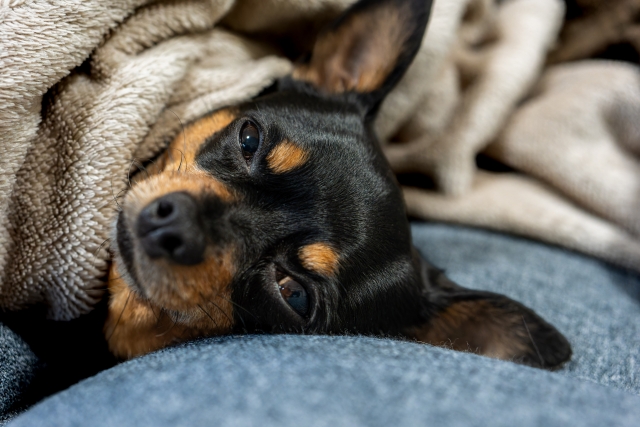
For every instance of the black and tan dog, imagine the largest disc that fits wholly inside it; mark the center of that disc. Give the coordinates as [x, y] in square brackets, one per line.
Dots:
[282, 215]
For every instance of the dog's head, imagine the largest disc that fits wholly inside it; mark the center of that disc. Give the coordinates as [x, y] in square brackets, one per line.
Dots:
[282, 215]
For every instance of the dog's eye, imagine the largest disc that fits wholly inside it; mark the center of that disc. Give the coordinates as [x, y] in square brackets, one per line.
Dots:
[295, 295]
[249, 140]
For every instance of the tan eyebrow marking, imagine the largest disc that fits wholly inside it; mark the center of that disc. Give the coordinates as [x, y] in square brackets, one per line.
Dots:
[286, 156]
[319, 257]
[185, 145]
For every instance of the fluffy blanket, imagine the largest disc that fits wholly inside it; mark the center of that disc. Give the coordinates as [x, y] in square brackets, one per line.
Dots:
[89, 90]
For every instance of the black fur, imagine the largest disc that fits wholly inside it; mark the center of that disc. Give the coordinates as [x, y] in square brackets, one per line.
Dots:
[345, 194]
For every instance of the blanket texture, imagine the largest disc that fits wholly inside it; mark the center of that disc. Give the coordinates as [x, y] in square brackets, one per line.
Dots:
[90, 90]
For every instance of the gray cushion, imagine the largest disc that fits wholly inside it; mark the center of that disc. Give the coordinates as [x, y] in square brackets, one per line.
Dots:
[18, 365]
[596, 306]
[328, 381]
[296, 380]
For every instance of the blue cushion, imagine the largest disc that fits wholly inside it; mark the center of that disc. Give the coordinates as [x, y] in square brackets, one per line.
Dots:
[596, 306]
[18, 365]
[295, 380]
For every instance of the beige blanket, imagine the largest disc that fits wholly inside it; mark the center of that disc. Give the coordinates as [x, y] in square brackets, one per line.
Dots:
[90, 89]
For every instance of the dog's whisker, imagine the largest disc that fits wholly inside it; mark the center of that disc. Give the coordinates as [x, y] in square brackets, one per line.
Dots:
[150, 161]
[129, 173]
[175, 322]
[139, 164]
[219, 309]
[159, 316]
[95, 254]
[235, 304]
[120, 316]
[102, 206]
[155, 315]
[184, 332]
[182, 157]
[533, 342]
[115, 199]
[241, 308]
[208, 315]
[224, 313]
[184, 139]
[99, 288]
[88, 287]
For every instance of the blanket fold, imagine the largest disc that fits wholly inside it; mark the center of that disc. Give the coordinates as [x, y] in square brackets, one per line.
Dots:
[91, 90]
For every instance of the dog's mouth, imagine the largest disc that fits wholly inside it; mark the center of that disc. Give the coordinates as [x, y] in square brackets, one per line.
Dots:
[168, 274]
[154, 304]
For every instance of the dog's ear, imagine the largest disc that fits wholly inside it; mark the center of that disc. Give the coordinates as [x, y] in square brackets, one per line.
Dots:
[367, 50]
[484, 323]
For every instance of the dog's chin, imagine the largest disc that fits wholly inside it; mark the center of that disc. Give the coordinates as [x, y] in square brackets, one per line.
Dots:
[136, 325]
[180, 288]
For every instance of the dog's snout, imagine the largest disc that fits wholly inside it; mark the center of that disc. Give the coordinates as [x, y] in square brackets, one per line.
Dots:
[169, 227]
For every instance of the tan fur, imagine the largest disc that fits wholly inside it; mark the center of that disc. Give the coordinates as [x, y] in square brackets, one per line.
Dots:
[198, 297]
[332, 68]
[180, 154]
[286, 157]
[200, 293]
[136, 326]
[479, 327]
[183, 149]
[195, 182]
[319, 257]
[181, 302]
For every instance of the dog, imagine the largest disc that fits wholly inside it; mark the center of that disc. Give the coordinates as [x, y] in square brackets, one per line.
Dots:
[281, 215]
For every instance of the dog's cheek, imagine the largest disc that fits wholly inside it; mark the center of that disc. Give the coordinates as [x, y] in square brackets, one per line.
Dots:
[134, 326]
[185, 288]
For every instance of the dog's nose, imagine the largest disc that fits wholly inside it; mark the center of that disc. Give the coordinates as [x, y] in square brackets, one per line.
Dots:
[169, 227]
